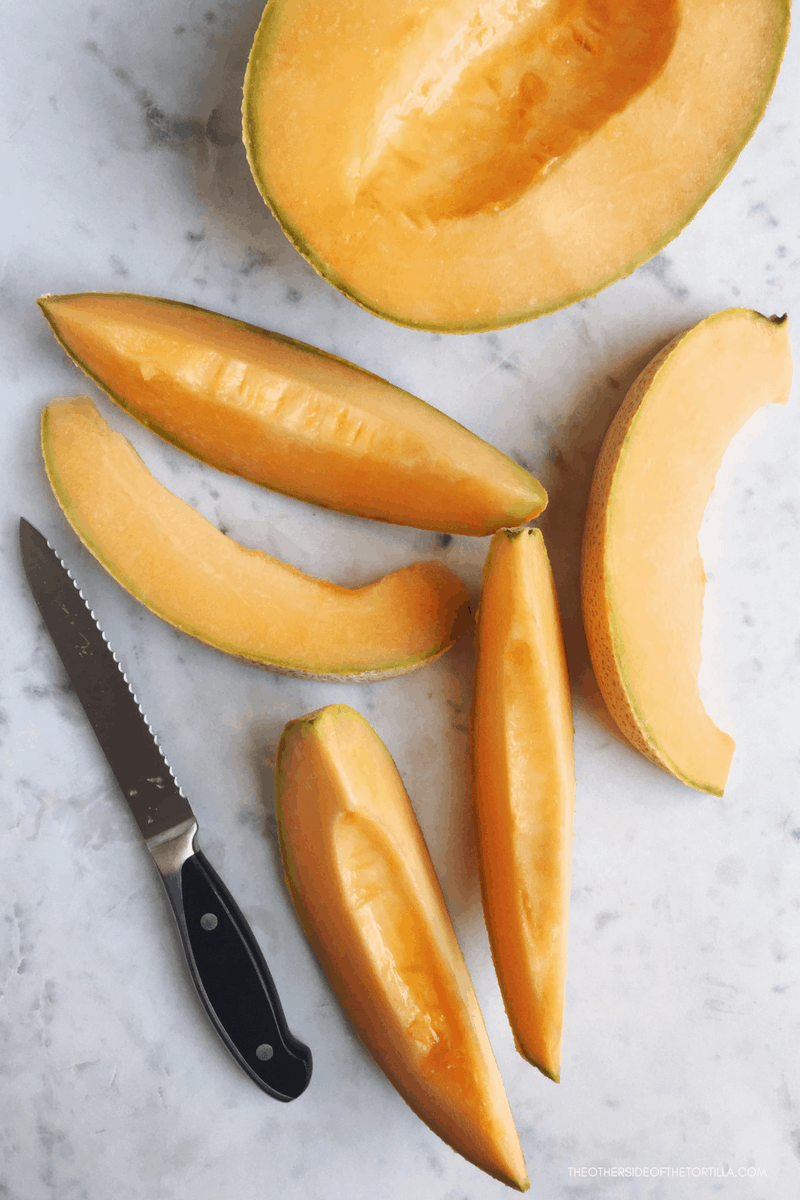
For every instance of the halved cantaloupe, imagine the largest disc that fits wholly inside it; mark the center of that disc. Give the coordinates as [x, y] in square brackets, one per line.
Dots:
[237, 600]
[290, 417]
[523, 788]
[362, 881]
[466, 164]
[642, 574]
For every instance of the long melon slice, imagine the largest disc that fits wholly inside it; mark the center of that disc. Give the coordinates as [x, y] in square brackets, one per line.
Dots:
[290, 417]
[238, 600]
[362, 881]
[523, 789]
[642, 574]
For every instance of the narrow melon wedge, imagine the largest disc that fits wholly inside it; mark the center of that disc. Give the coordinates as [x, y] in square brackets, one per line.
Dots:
[523, 789]
[642, 574]
[466, 164]
[362, 881]
[237, 600]
[291, 417]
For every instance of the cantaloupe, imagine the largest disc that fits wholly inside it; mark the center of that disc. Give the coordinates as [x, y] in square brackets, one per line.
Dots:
[642, 574]
[290, 417]
[241, 601]
[467, 164]
[523, 788]
[366, 893]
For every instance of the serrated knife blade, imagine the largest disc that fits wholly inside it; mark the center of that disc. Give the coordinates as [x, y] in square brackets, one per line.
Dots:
[224, 959]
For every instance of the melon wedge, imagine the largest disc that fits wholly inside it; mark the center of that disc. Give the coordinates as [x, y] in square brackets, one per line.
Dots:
[291, 417]
[362, 881]
[467, 164]
[642, 574]
[237, 600]
[523, 789]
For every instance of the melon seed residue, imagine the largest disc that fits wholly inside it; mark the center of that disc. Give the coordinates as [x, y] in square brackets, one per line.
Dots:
[505, 92]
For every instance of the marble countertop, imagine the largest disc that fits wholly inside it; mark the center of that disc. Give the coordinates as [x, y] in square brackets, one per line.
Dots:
[123, 170]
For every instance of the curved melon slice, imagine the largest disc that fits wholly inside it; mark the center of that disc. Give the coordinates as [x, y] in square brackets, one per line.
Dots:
[237, 600]
[362, 881]
[642, 575]
[466, 164]
[291, 417]
[523, 788]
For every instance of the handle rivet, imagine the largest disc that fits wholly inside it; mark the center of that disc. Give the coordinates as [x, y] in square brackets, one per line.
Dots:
[264, 1051]
[209, 921]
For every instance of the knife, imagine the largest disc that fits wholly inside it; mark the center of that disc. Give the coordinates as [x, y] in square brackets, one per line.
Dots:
[224, 959]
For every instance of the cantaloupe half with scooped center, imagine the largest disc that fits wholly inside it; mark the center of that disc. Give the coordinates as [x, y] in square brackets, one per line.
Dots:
[241, 601]
[642, 574]
[464, 165]
[290, 417]
[362, 881]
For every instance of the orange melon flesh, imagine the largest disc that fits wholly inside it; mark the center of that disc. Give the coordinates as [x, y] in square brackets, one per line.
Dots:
[291, 417]
[238, 600]
[523, 789]
[642, 574]
[362, 881]
[462, 165]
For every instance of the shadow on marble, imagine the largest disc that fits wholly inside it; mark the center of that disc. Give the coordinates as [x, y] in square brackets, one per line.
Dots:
[573, 453]
[232, 202]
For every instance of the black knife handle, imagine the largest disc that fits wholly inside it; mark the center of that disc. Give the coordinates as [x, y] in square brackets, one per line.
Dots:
[234, 981]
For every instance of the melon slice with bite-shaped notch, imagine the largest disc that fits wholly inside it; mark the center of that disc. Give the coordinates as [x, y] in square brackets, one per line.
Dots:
[642, 574]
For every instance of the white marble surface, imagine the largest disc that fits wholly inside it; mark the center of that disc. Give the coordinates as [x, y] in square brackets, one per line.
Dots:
[122, 169]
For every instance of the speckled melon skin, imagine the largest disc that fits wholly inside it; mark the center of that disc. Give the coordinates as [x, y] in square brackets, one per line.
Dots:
[597, 618]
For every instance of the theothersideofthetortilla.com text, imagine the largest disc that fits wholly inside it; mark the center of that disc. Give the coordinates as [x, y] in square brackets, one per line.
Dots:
[625, 1172]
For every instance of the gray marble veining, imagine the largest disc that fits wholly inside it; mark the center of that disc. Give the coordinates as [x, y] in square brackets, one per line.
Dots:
[123, 170]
